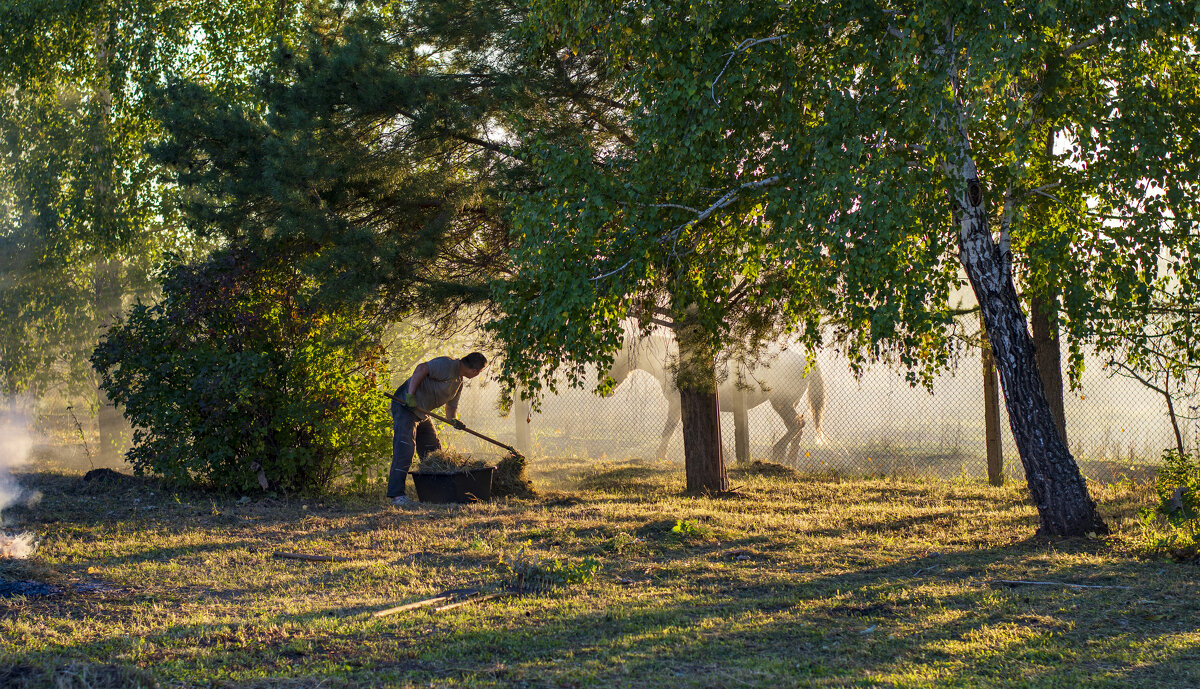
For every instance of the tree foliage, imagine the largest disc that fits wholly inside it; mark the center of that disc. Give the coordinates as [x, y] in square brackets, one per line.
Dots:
[848, 154]
[716, 205]
[832, 112]
[343, 192]
[360, 166]
[83, 213]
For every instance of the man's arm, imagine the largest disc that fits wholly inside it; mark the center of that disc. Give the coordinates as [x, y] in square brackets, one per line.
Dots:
[420, 373]
[452, 405]
[452, 409]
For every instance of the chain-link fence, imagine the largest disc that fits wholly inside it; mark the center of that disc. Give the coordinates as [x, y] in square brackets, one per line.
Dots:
[875, 425]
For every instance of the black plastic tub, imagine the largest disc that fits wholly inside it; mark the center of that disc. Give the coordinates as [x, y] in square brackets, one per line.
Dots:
[473, 485]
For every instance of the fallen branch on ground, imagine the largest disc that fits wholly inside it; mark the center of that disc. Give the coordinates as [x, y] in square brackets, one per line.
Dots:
[426, 602]
[457, 598]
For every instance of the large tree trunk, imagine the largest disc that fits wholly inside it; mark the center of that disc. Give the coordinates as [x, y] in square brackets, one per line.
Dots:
[1057, 487]
[702, 452]
[696, 379]
[1049, 355]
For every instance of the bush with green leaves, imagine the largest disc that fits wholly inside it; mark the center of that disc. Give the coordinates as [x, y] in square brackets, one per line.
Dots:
[1171, 526]
[234, 380]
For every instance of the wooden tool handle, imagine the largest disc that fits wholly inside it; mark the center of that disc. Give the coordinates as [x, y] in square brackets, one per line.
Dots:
[477, 434]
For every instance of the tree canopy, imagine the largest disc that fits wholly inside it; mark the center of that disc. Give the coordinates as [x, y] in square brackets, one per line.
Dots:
[851, 153]
[83, 213]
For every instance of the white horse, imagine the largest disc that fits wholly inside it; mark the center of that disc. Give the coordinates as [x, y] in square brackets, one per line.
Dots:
[781, 381]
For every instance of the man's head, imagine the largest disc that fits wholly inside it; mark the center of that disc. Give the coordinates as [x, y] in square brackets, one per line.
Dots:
[470, 365]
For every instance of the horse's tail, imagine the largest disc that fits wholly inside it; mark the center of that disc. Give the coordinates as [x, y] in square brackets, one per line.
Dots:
[816, 400]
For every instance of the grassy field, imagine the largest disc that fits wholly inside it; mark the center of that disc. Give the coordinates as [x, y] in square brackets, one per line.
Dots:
[792, 582]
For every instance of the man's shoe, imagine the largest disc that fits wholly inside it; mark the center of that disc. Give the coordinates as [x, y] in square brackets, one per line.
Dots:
[404, 501]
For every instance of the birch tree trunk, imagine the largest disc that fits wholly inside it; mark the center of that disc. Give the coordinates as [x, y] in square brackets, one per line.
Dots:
[107, 305]
[1057, 487]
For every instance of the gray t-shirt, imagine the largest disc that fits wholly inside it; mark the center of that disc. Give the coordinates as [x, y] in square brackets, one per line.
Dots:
[442, 385]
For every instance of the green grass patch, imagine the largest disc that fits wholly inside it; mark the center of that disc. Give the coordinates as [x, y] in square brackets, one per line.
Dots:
[793, 581]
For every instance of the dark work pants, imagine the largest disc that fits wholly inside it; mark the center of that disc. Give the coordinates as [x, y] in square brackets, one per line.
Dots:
[408, 433]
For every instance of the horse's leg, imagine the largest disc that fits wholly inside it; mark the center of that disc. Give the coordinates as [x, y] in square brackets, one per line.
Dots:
[673, 416]
[780, 446]
[794, 446]
[816, 401]
[794, 423]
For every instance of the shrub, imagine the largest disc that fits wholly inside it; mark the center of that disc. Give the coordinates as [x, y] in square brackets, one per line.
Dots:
[1177, 484]
[1171, 526]
[232, 381]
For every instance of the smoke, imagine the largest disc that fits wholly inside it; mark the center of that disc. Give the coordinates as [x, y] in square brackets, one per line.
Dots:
[16, 442]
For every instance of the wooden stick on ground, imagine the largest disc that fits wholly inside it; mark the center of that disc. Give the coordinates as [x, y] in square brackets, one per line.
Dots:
[410, 606]
[309, 558]
[441, 597]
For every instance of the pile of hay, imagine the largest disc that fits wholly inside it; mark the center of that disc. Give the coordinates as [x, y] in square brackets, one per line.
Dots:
[510, 479]
[447, 461]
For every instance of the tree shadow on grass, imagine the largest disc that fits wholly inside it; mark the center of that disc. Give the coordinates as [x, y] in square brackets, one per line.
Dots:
[625, 480]
[932, 621]
[835, 629]
[849, 616]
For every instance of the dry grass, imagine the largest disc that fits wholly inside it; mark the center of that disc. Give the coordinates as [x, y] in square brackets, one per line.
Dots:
[793, 581]
[448, 461]
[511, 479]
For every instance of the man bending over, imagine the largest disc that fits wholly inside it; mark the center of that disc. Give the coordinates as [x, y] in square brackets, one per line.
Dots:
[434, 383]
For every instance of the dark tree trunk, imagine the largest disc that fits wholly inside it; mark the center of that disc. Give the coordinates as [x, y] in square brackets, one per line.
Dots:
[1044, 321]
[1057, 487]
[702, 452]
[696, 379]
[1049, 356]
[991, 415]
